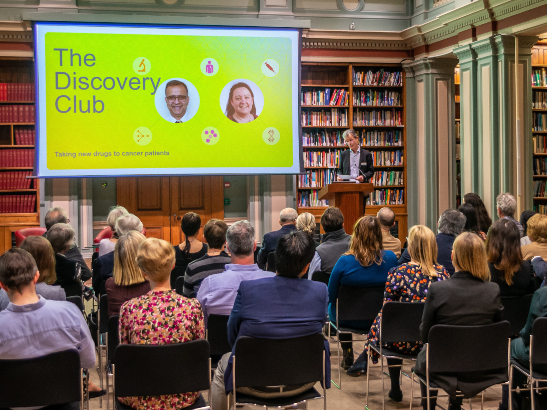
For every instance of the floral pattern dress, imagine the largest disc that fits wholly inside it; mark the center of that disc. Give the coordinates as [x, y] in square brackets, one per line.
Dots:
[159, 318]
[405, 283]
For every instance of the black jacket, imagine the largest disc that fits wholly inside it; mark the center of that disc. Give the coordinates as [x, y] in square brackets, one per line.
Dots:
[367, 166]
[102, 270]
[270, 243]
[66, 271]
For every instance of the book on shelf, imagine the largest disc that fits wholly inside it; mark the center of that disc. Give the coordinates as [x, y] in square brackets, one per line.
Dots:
[16, 158]
[457, 130]
[540, 144]
[382, 138]
[539, 165]
[539, 77]
[387, 178]
[16, 180]
[540, 209]
[338, 96]
[322, 139]
[310, 198]
[386, 197]
[380, 77]
[381, 117]
[25, 136]
[17, 92]
[17, 203]
[387, 158]
[539, 100]
[539, 122]
[12, 113]
[317, 178]
[327, 158]
[539, 189]
[334, 117]
[364, 98]
[457, 151]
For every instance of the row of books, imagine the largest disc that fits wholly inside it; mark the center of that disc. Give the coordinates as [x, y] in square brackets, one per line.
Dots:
[388, 178]
[539, 189]
[25, 136]
[539, 99]
[310, 198]
[322, 139]
[540, 144]
[540, 122]
[17, 204]
[322, 158]
[387, 158]
[378, 117]
[382, 138]
[16, 180]
[380, 77]
[539, 165]
[539, 77]
[336, 117]
[457, 130]
[386, 197]
[17, 158]
[324, 97]
[317, 179]
[540, 209]
[17, 114]
[17, 92]
[373, 97]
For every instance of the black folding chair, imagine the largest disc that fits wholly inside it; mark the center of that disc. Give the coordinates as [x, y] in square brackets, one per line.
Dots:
[102, 328]
[179, 285]
[270, 264]
[112, 341]
[78, 302]
[279, 362]
[52, 379]
[154, 370]
[538, 357]
[400, 322]
[355, 303]
[515, 311]
[454, 350]
[217, 336]
[320, 276]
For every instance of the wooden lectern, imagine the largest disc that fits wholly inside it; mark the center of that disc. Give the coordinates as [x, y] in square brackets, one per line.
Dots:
[348, 197]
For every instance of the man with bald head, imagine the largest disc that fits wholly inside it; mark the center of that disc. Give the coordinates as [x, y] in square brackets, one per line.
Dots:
[386, 217]
[287, 220]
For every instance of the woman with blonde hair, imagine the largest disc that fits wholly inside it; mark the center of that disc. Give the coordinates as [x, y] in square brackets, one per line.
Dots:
[127, 281]
[537, 233]
[467, 299]
[160, 317]
[408, 282]
[107, 245]
[366, 264]
[306, 223]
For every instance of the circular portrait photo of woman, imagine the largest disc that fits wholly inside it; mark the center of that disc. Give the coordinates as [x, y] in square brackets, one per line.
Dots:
[177, 100]
[241, 101]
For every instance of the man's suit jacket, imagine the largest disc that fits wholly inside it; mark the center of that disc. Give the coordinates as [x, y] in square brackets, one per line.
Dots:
[366, 164]
[270, 243]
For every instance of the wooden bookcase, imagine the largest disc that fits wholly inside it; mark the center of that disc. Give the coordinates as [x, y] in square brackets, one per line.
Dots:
[539, 125]
[14, 72]
[457, 131]
[322, 140]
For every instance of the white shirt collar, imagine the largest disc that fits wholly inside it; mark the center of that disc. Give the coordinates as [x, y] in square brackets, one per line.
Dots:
[183, 119]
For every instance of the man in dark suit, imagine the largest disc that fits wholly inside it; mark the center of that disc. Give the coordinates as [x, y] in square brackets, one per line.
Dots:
[287, 220]
[295, 307]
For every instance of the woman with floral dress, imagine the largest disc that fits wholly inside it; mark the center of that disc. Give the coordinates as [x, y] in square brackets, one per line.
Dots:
[160, 317]
[408, 282]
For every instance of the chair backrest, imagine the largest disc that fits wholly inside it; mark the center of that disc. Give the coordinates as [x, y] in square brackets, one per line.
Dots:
[105, 233]
[276, 362]
[539, 340]
[179, 285]
[458, 349]
[21, 234]
[357, 303]
[270, 265]
[103, 314]
[217, 334]
[42, 381]
[320, 276]
[154, 370]
[401, 322]
[113, 337]
[77, 301]
[515, 311]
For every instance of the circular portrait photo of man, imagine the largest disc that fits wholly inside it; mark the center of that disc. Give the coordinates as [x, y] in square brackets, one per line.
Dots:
[241, 101]
[177, 100]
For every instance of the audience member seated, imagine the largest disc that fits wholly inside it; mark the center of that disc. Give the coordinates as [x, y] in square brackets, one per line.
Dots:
[537, 232]
[306, 223]
[406, 283]
[32, 326]
[507, 206]
[467, 299]
[4, 300]
[61, 237]
[218, 292]
[366, 264]
[524, 217]
[189, 250]
[160, 317]
[483, 217]
[44, 256]
[287, 220]
[451, 224]
[104, 265]
[214, 233]
[58, 215]
[127, 281]
[335, 242]
[514, 275]
[386, 216]
[296, 307]
[107, 245]
[471, 223]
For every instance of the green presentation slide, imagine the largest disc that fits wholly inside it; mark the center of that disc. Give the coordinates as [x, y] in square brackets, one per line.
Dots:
[117, 100]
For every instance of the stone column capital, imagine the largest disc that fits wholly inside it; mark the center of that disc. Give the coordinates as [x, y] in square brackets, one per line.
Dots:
[435, 66]
[465, 54]
[506, 44]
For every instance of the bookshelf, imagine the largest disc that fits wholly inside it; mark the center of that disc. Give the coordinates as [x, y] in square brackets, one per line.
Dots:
[459, 198]
[19, 196]
[339, 96]
[539, 125]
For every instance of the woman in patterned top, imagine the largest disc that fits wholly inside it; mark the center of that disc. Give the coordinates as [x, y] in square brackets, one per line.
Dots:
[406, 283]
[160, 317]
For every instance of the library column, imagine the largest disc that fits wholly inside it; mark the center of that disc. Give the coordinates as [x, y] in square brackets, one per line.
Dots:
[432, 171]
